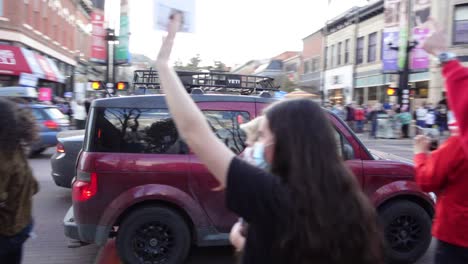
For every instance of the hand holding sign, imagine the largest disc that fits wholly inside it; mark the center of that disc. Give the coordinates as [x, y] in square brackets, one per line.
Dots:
[165, 9]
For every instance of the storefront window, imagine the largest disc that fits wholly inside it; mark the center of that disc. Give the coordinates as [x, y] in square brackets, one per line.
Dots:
[359, 96]
[422, 90]
[372, 93]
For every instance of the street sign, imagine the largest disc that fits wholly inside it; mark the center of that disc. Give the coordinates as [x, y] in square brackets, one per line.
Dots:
[405, 101]
[110, 85]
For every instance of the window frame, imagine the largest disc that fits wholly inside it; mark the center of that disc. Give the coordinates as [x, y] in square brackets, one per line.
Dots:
[347, 51]
[454, 25]
[338, 53]
[360, 50]
[372, 47]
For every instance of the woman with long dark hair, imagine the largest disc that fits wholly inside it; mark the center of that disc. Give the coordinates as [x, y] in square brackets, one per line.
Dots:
[306, 207]
[17, 184]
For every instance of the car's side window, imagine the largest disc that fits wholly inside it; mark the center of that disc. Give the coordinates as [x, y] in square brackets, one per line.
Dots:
[37, 114]
[225, 124]
[345, 149]
[136, 130]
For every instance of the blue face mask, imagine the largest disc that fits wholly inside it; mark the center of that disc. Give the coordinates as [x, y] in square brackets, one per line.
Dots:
[258, 156]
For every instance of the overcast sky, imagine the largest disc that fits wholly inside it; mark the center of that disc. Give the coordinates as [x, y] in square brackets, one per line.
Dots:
[236, 31]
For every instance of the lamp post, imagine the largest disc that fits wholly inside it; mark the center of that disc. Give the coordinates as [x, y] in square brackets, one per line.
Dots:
[110, 38]
[403, 87]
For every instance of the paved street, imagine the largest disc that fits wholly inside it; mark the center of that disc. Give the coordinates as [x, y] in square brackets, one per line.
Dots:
[52, 202]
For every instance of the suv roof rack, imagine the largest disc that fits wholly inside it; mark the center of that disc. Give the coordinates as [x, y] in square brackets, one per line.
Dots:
[209, 82]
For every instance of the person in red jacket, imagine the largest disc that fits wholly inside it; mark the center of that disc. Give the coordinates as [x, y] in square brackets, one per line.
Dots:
[359, 116]
[445, 170]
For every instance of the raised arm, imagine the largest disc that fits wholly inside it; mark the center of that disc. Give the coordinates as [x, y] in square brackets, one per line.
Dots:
[189, 120]
[456, 81]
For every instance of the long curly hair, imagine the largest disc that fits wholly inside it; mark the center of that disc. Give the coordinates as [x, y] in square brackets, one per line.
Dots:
[331, 220]
[17, 125]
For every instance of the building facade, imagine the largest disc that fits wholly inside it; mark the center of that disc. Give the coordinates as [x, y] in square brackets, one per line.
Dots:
[354, 47]
[52, 36]
[453, 14]
[310, 72]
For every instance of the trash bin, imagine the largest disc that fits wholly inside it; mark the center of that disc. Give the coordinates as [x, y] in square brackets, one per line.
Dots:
[386, 126]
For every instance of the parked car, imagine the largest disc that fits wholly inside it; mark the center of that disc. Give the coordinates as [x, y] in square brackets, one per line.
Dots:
[137, 181]
[50, 121]
[63, 162]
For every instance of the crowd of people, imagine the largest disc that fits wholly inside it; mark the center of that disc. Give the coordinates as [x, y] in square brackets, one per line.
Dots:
[362, 118]
[301, 202]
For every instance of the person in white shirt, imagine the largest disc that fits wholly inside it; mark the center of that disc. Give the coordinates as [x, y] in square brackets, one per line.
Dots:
[79, 113]
[421, 113]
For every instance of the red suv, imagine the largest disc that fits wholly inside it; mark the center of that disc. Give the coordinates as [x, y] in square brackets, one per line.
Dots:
[138, 181]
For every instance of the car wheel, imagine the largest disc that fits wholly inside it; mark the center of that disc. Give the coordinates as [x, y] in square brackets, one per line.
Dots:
[153, 235]
[407, 231]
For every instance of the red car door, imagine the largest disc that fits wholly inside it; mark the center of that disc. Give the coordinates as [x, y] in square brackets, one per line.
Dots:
[224, 118]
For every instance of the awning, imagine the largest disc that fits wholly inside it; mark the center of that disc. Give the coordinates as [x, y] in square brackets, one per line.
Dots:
[16, 60]
[49, 73]
[12, 61]
[56, 71]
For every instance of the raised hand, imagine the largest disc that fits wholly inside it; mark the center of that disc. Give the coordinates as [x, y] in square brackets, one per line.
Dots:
[437, 42]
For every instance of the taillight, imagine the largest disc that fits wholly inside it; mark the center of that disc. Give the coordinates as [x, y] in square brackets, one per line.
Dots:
[50, 124]
[60, 148]
[83, 190]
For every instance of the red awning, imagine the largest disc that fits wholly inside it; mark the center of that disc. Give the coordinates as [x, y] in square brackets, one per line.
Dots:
[16, 60]
[12, 61]
[48, 71]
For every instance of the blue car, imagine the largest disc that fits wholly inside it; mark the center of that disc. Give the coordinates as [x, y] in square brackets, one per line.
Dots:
[50, 122]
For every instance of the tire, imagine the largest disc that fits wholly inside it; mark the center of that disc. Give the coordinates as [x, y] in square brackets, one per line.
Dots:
[138, 243]
[407, 231]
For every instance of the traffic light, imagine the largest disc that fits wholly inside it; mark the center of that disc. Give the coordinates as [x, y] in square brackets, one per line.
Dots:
[391, 91]
[96, 85]
[121, 86]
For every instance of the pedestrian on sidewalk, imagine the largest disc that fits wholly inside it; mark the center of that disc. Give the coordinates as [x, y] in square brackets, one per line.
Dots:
[444, 170]
[350, 116]
[17, 184]
[404, 117]
[359, 116]
[430, 116]
[292, 207]
[442, 119]
[420, 115]
[79, 113]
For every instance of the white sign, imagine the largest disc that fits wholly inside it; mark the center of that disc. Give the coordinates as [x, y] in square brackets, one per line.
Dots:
[27, 79]
[340, 78]
[163, 9]
[109, 85]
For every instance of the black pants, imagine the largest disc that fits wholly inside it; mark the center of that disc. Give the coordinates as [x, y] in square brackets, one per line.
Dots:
[404, 130]
[450, 254]
[11, 247]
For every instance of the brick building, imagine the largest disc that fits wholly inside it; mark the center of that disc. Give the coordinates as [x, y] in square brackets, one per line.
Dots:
[310, 72]
[52, 36]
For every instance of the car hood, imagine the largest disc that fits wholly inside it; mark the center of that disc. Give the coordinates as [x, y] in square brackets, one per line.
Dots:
[379, 155]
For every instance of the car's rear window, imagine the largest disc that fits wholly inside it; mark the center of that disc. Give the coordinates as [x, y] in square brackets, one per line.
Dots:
[53, 113]
[137, 130]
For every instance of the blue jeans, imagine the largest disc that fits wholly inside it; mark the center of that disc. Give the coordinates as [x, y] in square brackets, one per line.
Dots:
[11, 247]
[374, 128]
[359, 125]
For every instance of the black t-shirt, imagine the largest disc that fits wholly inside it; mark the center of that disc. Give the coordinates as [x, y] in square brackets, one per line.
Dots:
[261, 199]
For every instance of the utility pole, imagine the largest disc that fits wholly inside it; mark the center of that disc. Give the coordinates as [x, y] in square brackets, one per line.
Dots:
[404, 50]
